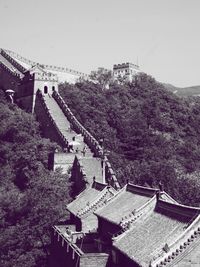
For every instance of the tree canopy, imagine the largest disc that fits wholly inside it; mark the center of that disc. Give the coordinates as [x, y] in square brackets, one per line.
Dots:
[32, 198]
[151, 134]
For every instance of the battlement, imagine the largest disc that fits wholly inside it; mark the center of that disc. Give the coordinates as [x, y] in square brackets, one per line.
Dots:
[29, 63]
[126, 65]
[46, 77]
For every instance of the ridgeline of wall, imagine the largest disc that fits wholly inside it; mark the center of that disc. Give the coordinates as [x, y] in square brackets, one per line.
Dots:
[47, 67]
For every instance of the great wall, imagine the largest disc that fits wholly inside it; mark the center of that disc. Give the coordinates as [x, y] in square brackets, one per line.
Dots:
[108, 225]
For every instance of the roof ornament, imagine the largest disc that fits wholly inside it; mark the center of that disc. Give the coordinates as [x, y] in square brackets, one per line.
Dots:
[161, 187]
[166, 248]
[157, 195]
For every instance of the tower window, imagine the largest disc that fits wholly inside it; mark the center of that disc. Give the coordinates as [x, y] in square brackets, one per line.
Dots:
[45, 89]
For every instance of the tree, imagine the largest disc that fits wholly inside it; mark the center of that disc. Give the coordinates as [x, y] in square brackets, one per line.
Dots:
[102, 76]
[32, 198]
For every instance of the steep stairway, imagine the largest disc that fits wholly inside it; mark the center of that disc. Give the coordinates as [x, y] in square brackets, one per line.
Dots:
[63, 124]
[91, 165]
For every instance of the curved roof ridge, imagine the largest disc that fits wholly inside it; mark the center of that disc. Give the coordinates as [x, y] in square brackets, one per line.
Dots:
[167, 197]
[95, 201]
[82, 193]
[83, 198]
[141, 189]
[144, 209]
[177, 208]
[111, 199]
[116, 195]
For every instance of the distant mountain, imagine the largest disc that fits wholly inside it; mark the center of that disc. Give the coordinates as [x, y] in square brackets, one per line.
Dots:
[185, 91]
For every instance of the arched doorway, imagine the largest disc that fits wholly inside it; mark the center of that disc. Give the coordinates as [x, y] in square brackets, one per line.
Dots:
[45, 89]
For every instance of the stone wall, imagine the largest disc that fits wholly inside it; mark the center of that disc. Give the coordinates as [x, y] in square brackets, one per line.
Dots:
[107, 229]
[8, 80]
[24, 91]
[94, 260]
[78, 177]
[89, 139]
[13, 61]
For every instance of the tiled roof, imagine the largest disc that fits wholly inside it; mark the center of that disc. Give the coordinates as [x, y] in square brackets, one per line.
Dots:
[89, 201]
[148, 237]
[128, 200]
[85, 198]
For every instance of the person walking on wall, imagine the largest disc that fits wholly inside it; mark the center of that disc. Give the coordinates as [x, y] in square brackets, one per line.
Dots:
[84, 151]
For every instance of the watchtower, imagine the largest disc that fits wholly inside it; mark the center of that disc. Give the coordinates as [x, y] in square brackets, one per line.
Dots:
[36, 79]
[125, 70]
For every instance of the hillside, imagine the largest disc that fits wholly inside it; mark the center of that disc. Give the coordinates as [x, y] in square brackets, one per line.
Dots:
[27, 188]
[151, 134]
[185, 91]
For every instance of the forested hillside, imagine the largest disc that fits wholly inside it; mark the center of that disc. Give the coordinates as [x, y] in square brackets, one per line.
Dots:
[32, 198]
[151, 134]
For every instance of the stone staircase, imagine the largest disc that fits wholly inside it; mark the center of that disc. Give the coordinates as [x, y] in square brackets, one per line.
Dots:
[64, 125]
[91, 165]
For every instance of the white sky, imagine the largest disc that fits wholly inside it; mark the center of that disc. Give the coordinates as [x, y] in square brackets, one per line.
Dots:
[85, 34]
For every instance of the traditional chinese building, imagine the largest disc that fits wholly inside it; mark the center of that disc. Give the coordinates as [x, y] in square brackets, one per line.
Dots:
[135, 226]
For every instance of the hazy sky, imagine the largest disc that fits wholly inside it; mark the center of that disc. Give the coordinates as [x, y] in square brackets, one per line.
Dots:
[164, 35]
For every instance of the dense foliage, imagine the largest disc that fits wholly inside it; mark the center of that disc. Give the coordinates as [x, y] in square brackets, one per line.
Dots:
[32, 198]
[151, 134]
